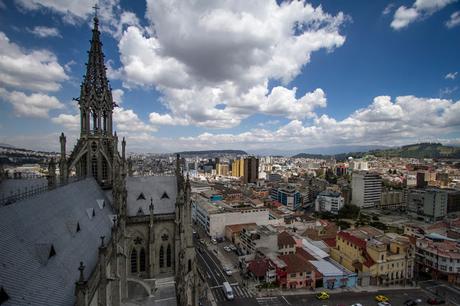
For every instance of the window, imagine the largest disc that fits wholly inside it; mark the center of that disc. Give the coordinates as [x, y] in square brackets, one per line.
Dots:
[162, 257]
[189, 265]
[94, 166]
[133, 261]
[168, 256]
[78, 227]
[450, 269]
[141, 196]
[293, 274]
[105, 174]
[165, 196]
[142, 260]
[52, 252]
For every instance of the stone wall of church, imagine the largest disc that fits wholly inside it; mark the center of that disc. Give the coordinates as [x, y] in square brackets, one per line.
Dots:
[151, 255]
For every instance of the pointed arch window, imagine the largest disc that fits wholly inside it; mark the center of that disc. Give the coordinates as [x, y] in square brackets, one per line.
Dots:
[162, 257]
[168, 256]
[94, 166]
[142, 260]
[105, 169]
[133, 261]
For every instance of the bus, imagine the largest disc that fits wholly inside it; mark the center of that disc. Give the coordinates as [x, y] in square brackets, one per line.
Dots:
[228, 291]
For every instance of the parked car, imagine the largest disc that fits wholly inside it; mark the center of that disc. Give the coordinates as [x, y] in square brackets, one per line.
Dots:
[412, 302]
[202, 241]
[228, 271]
[357, 304]
[226, 248]
[383, 304]
[213, 241]
[435, 301]
[323, 295]
[232, 247]
[381, 298]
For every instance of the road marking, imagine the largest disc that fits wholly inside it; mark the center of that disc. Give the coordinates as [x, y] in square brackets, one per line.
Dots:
[285, 300]
[209, 255]
[209, 268]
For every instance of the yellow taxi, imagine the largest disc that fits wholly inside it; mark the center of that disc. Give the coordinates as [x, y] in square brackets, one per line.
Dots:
[323, 295]
[381, 298]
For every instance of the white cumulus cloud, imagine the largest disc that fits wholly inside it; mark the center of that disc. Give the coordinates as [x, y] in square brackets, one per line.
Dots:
[451, 75]
[29, 69]
[420, 9]
[212, 61]
[71, 122]
[454, 20]
[42, 31]
[34, 105]
[384, 121]
[126, 120]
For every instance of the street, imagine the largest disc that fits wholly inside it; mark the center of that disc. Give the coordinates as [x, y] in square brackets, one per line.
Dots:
[215, 276]
[445, 291]
[397, 297]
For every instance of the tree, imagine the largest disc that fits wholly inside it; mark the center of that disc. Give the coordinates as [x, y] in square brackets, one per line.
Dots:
[348, 211]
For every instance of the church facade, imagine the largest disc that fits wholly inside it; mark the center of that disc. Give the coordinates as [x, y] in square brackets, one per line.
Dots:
[152, 235]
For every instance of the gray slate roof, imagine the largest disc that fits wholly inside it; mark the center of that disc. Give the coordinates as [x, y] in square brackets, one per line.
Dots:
[151, 187]
[28, 229]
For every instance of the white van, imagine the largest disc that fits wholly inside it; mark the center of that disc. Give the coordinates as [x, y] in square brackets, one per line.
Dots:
[228, 291]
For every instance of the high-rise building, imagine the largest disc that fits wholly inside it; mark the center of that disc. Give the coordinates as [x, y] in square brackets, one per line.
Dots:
[251, 170]
[366, 189]
[430, 204]
[329, 201]
[288, 196]
[222, 169]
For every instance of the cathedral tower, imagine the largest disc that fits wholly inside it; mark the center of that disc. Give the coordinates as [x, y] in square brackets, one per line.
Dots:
[96, 150]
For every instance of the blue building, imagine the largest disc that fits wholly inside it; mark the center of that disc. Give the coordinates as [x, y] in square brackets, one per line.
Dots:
[334, 275]
[288, 196]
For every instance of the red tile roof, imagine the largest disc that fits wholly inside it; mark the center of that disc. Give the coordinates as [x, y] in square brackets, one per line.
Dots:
[352, 239]
[304, 254]
[258, 267]
[295, 264]
[330, 242]
[285, 239]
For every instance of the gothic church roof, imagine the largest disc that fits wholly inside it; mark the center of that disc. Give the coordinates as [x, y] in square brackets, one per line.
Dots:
[44, 238]
[152, 187]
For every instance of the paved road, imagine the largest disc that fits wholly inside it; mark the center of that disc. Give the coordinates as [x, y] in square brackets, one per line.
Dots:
[215, 277]
[397, 297]
[445, 291]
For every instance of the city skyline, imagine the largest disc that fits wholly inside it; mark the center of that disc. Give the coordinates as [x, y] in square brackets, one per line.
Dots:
[260, 76]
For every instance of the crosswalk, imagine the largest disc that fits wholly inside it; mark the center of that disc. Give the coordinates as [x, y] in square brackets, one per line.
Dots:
[238, 292]
[271, 301]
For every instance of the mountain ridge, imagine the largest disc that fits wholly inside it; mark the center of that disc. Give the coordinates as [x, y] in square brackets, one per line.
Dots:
[418, 150]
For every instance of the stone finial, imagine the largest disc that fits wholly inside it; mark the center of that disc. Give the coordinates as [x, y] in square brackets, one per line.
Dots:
[81, 268]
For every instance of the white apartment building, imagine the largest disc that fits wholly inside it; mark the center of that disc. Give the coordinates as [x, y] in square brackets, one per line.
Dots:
[213, 217]
[329, 201]
[366, 189]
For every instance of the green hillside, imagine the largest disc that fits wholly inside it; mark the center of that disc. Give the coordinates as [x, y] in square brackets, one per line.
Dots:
[419, 150]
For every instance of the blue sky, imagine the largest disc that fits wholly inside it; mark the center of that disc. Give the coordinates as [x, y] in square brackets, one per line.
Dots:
[253, 75]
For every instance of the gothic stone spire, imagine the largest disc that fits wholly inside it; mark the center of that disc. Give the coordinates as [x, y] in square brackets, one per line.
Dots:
[95, 89]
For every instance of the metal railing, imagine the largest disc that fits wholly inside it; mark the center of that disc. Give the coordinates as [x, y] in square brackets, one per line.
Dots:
[31, 191]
